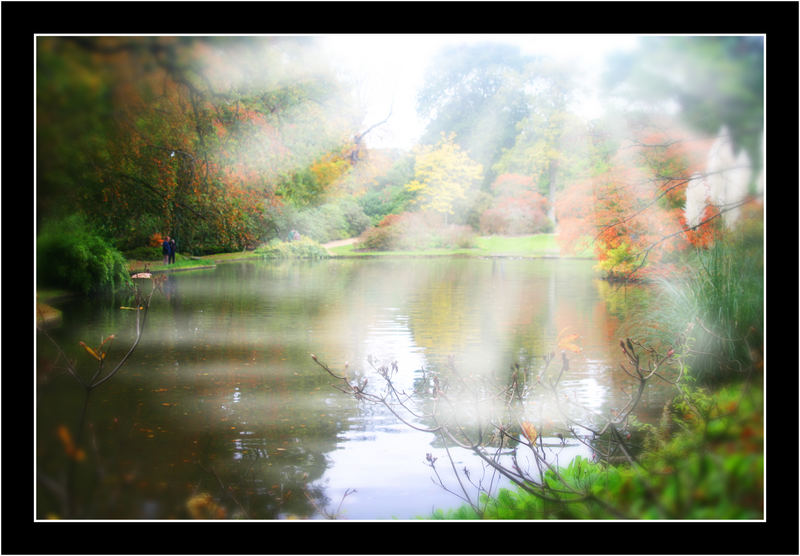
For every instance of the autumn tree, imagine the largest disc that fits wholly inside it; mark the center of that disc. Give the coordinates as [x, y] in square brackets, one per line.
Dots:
[191, 136]
[551, 143]
[631, 211]
[443, 174]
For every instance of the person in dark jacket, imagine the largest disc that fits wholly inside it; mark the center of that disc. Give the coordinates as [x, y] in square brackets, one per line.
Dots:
[166, 249]
[172, 248]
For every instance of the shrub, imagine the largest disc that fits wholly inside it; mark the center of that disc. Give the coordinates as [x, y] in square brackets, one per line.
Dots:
[380, 238]
[69, 255]
[303, 248]
[458, 236]
[711, 467]
[329, 222]
[520, 215]
[144, 253]
[357, 221]
[376, 204]
[413, 231]
[617, 263]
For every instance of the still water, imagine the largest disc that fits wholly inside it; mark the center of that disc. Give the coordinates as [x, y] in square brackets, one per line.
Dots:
[222, 398]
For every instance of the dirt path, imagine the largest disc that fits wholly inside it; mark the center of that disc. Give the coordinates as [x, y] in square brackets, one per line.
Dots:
[339, 242]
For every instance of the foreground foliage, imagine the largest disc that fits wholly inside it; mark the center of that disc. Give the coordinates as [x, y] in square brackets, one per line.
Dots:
[718, 300]
[712, 467]
[72, 256]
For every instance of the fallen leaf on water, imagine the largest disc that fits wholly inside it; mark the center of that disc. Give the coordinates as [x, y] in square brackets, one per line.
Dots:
[567, 342]
[529, 431]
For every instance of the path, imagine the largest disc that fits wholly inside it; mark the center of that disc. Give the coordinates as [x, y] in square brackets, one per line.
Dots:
[339, 242]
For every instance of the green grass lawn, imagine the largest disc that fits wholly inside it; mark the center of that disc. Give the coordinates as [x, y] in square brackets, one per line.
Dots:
[539, 245]
[544, 244]
[184, 262]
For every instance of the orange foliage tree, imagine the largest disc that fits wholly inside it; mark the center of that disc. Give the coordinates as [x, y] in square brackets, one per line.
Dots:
[631, 212]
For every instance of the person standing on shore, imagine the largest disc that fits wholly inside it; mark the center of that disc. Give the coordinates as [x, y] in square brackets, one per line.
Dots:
[172, 248]
[166, 249]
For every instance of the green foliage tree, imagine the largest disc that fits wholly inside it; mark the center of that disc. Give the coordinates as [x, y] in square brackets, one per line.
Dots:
[389, 195]
[74, 101]
[551, 143]
[716, 81]
[477, 93]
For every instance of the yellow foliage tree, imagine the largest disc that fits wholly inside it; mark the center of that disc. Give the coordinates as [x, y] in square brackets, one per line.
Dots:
[443, 173]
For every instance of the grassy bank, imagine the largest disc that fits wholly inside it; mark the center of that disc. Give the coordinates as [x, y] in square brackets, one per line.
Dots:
[539, 245]
[189, 263]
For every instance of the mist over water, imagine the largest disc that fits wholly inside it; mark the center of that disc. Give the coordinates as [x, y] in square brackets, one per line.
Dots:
[224, 380]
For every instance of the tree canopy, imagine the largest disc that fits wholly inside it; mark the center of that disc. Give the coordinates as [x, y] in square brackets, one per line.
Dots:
[477, 93]
[193, 136]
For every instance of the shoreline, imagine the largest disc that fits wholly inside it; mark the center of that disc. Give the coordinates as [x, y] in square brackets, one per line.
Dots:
[338, 249]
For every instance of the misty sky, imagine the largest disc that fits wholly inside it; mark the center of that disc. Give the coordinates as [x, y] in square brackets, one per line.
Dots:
[390, 68]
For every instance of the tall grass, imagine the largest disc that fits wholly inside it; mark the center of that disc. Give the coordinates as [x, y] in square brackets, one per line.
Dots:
[718, 303]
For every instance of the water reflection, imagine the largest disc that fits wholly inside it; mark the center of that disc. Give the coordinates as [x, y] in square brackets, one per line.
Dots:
[221, 396]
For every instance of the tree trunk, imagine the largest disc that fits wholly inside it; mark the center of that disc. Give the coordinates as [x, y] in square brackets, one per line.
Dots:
[551, 191]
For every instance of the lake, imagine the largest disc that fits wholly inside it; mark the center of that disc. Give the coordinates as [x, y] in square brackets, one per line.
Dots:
[222, 398]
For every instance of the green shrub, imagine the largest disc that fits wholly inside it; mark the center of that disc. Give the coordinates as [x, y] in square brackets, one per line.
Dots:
[328, 222]
[706, 461]
[71, 256]
[144, 253]
[303, 248]
[376, 204]
[357, 221]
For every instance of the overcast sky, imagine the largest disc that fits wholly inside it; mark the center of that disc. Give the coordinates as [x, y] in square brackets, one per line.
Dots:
[391, 69]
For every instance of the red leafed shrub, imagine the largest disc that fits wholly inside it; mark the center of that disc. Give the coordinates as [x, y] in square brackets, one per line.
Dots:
[412, 231]
[525, 213]
[156, 239]
[512, 185]
[392, 219]
[379, 238]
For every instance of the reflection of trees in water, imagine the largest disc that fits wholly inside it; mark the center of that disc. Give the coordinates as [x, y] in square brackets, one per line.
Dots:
[220, 397]
[492, 420]
[202, 408]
